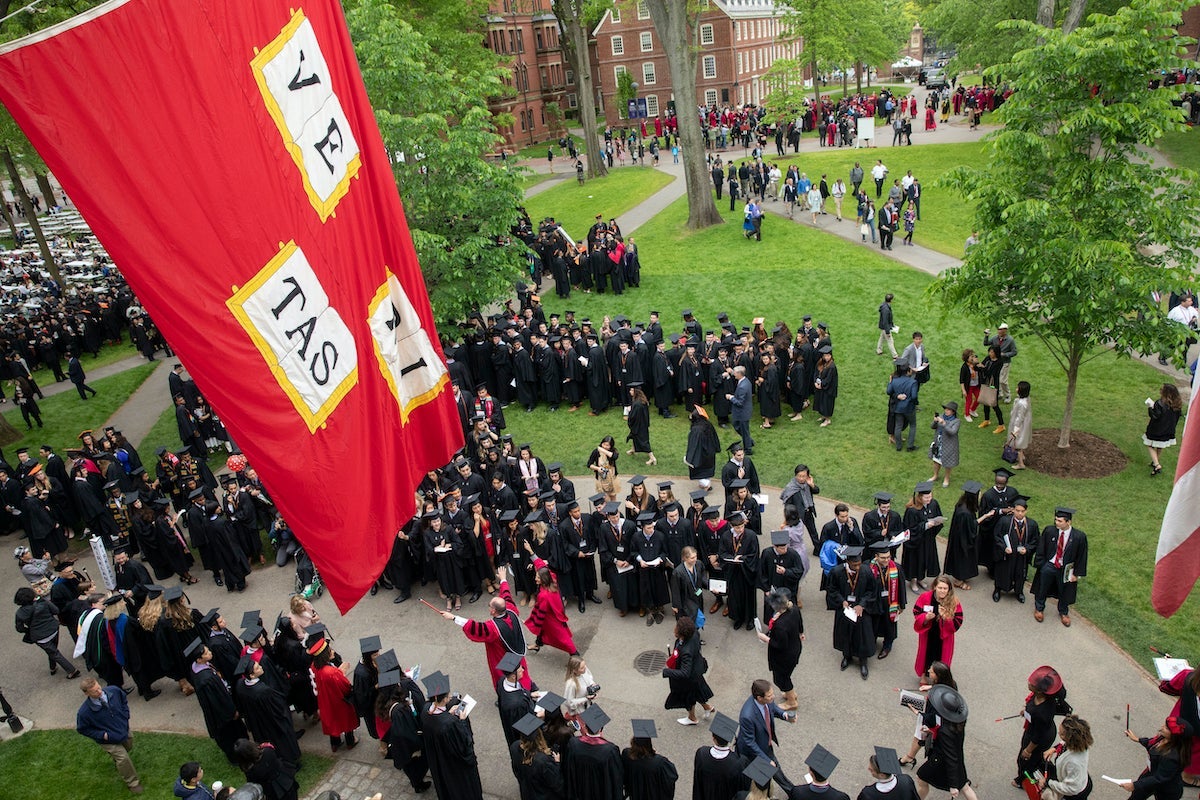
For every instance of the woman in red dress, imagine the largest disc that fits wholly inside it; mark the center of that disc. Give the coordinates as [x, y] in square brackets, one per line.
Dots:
[333, 688]
[930, 121]
[548, 620]
[937, 615]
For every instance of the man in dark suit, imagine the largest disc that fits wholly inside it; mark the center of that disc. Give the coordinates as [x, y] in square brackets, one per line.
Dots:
[756, 727]
[1061, 561]
[743, 405]
[843, 529]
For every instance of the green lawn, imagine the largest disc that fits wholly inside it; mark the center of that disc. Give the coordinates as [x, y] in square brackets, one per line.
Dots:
[108, 354]
[945, 217]
[537, 150]
[65, 415]
[67, 764]
[1183, 148]
[575, 207]
[797, 270]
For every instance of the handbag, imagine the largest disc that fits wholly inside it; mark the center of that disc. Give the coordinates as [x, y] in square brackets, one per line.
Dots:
[987, 396]
[1009, 453]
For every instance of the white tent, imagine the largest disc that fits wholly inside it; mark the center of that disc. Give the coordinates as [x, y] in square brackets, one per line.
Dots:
[908, 62]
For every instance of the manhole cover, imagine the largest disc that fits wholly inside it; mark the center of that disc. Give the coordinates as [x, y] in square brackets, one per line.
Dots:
[650, 663]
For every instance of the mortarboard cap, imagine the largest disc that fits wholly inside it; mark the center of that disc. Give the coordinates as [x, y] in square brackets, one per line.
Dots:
[153, 590]
[594, 718]
[112, 484]
[251, 618]
[924, 487]
[972, 487]
[881, 546]
[825, 349]
[195, 494]
[1062, 512]
[637, 480]
[643, 729]
[528, 725]
[735, 447]
[1022, 501]
[723, 727]
[509, 664]
[554, 466]
[437, 684]
[710, 511]
[883, 497]
[886, 761]
[243, 666]
[596, 499]
[687, 312]
[665, 485]
[739, 483]
[368, 644]
[646, 518]
[1003, 472]
[389, 678]
[211, 617]
[853, 552]
[508, 516]
[387, 661]
[697, 495]
[252, 632]
[780, 538]
[821, 761]
[193, 650]
[572, 505]
[172, 593]
[550, 701]
[737, 518]
[761, 771]
[612, 508]
[535, 516]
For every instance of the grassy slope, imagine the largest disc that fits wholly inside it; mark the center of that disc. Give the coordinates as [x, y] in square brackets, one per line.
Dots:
[575, 207]
[796, 270]
[1183, 149]
[91, 775]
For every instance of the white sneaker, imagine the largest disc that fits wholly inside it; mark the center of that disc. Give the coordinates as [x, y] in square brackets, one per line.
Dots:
[708, 714]
[686, 721]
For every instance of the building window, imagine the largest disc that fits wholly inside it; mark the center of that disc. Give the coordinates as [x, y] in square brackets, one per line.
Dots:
[710, 66]
[541, 45]
[740, 68]
[710, 97]
[738, 31]
[618, 46]
[520, 41]
[618, 71]
[648, 75]
[572, 101]
[642, 11]
[616, 14]
[652, 105]
[570, 77]
[706, 34]
[647, 41]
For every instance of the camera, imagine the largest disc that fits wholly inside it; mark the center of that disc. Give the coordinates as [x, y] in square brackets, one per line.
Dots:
[593, 689]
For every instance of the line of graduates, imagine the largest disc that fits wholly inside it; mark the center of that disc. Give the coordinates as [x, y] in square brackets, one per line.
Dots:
[529, 359]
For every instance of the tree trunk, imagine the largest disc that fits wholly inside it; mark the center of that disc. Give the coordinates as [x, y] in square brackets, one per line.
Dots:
[678, 33]
[46, 189]
[1074, 16]
[1064, 431]
[1045, 13]
[575, 42]
[8, 434]
[8, 220]
[30, 215]
[858, 71]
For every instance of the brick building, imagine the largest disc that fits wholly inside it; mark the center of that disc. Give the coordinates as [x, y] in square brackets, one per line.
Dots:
[737, 46]
[527, 33]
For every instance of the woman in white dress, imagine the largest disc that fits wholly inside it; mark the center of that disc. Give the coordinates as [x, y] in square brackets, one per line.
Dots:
[1020, 424]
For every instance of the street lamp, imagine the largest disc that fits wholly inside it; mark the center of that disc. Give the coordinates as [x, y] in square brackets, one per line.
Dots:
[527, 118]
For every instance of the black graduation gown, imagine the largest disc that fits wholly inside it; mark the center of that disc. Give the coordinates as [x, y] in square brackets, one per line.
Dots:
[686, 679]
[652, 581]
[293, 663]
[875, 528]
[825, 397]
[363, 692]
[446, 564]
[852, 639]
[265, 712]
[624, 585]
[592, 771]
[920, 551]
[598, 384]
[540, 779]
[905, 789]
[768, 392]
[803, 791]
[450, 749]
[220, 714]
[514, 704]
[741, 577]
[992, 499]
[650, 778]
[169, 644]
[960, 546]
[717, 778]
[639, 427]
[1009, 570]
[275, 775]
[405, 743]
[664, 381]
[525, 376]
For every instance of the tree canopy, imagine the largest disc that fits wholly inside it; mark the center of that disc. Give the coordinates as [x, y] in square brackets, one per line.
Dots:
[1078, 228]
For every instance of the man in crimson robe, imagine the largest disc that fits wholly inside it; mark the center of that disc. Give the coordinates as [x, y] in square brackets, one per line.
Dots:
[501, 633]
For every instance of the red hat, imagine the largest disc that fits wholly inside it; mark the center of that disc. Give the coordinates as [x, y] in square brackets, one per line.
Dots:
[318, 647]
[1046, 680]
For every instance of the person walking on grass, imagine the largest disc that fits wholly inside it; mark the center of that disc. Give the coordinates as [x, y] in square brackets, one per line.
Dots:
[104, 718]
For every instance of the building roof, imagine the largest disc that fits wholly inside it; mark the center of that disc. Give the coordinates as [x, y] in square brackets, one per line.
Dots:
[734, 9]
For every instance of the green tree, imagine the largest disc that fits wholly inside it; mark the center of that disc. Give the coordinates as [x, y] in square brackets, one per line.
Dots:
[430, 89]
[577, 18]
[1078, 228]
[625, 90]
[824, 28]
[678, 26]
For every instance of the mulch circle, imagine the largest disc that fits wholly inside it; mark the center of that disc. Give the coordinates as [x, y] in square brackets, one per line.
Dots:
[1089, 456]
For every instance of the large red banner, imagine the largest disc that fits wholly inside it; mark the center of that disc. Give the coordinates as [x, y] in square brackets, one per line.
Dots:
[226, 155]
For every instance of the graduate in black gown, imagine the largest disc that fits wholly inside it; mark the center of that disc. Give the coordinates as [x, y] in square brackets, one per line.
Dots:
[592, 768]
[513, 699]
[821, 764]
[449, 744]
[262, 764]
[1014, 543]
[363, 683]
[265, 711]
[849, 586]
[405, 742]
[535, 766]
[717, 770]
[924, 521]
[739, 555]
[890, 782]
[648, 775]
[226, 648]
[221, 717]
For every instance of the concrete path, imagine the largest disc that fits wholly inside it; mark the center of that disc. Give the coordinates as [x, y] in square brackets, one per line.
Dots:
[996, 649]
[137, 415]
[93, 374]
